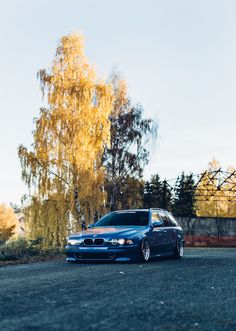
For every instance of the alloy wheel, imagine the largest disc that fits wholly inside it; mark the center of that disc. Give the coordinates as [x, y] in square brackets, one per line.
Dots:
[180, 248]
[145, 250]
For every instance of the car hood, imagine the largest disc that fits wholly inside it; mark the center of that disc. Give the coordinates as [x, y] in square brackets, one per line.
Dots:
[108, 231]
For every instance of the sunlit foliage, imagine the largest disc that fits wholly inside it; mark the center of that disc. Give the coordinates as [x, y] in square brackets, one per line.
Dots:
[215, 197]
[8, 223]
[63, 170]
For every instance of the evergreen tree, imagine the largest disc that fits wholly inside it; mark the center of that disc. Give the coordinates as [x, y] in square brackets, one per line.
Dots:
[184, 200]
[147, 195]
[157, 194]
[166, 196]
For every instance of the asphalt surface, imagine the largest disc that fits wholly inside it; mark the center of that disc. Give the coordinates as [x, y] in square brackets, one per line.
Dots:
[195, 293]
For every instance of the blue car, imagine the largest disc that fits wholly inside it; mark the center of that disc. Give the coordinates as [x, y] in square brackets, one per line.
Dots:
[128, 235]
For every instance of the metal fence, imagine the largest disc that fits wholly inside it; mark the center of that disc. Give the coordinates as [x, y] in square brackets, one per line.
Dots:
[209, 232]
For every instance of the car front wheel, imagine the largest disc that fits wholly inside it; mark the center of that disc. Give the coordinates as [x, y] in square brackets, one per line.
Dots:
[144, 251]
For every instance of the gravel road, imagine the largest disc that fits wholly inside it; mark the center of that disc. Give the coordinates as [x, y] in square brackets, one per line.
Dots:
[195, 293]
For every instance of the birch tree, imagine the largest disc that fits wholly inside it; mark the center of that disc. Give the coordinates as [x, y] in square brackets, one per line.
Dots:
[63, 170]
[128, 153]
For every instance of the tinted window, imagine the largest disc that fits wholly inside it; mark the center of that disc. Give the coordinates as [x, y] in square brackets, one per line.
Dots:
[132, 218]
[155, 217]
[164, 218]
[173, 220]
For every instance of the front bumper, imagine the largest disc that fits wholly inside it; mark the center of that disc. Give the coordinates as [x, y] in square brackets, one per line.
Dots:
[124, 253]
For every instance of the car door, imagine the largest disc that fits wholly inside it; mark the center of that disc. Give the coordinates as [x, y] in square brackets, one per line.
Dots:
[166, 239]
[174, 230]
[159, 234]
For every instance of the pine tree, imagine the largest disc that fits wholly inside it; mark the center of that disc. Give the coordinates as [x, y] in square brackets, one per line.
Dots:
[184, 201]
[157, 193]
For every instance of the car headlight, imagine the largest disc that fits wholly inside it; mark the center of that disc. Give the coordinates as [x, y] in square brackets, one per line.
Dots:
[121, 241]
[72, 242]
[129, 242]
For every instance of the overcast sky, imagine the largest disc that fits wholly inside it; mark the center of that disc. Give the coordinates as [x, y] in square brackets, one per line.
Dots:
[178, 56]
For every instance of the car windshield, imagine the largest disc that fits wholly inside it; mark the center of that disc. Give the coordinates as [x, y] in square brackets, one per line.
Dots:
[128, 218]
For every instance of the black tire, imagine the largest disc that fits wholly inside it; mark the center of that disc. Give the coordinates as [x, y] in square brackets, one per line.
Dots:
[144, 251]
[178, 251]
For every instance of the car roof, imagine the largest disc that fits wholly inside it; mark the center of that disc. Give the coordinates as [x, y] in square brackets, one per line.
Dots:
[130, 210]
[141, 209]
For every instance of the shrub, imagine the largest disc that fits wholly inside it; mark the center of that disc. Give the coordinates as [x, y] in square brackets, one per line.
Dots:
[13, 250]
[23, 249]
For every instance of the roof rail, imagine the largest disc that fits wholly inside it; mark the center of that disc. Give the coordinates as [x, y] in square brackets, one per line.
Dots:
[157, 209]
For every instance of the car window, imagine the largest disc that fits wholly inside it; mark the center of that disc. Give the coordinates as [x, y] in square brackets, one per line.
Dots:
[173, 220]
[163, 215]
[155, 217]
[168, 220]
[124, 218]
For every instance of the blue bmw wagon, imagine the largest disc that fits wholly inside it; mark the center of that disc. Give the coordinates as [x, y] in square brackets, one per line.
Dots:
[128, 235]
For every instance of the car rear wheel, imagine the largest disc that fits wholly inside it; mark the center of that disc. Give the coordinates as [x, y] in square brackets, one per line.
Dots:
[179, 249]
[144, 251]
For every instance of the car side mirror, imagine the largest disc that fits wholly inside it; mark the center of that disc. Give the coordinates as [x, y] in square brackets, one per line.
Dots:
[90, 226]
[156, 224]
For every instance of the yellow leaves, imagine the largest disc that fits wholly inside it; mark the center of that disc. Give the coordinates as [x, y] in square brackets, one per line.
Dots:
[214, 165]
[215, 194]
[70, 133]
[70, 96]
[71, 45]
[120, 99]
[47, 219]
[8, 222]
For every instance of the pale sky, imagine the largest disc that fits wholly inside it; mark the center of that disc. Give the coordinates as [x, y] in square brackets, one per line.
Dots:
[178, 57]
